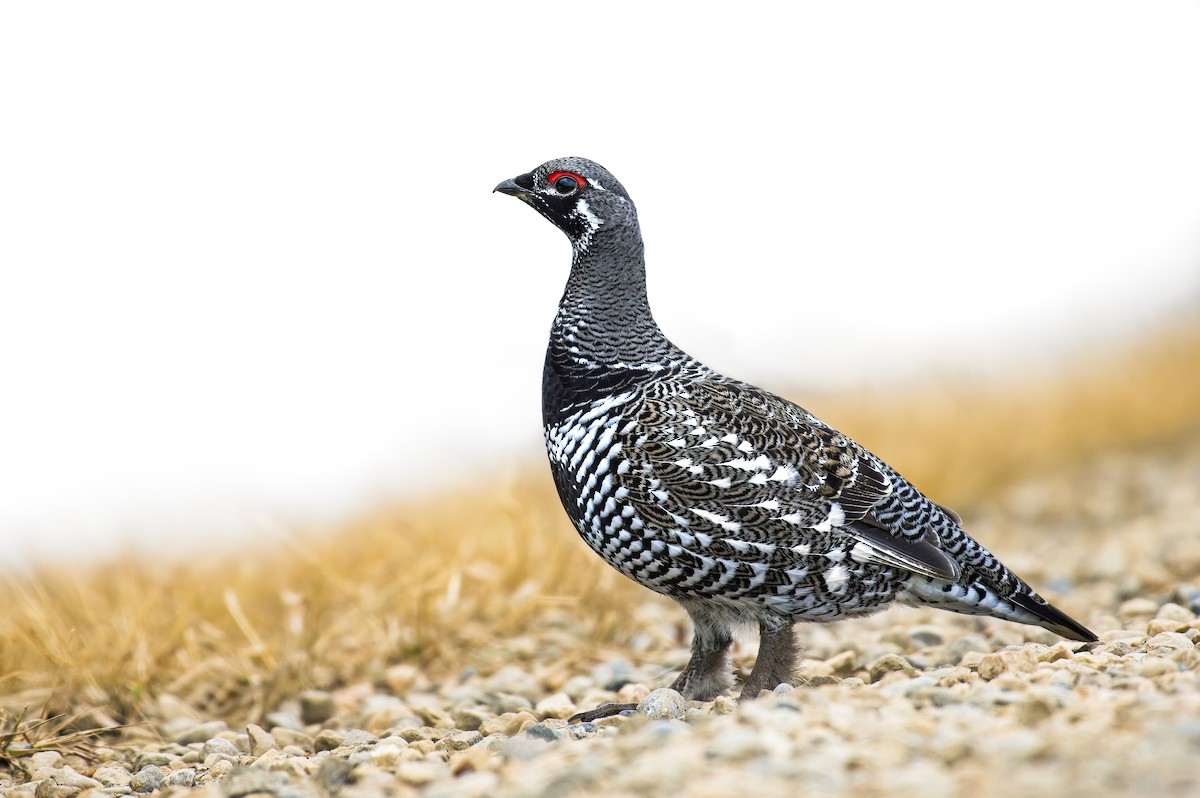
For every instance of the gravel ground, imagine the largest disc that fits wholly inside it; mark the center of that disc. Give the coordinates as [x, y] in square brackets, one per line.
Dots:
[907, 702]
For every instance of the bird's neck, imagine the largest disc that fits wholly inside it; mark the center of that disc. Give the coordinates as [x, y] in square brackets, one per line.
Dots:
[604, 318]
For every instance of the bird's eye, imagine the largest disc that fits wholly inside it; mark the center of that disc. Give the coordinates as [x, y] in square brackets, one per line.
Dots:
[565, 182]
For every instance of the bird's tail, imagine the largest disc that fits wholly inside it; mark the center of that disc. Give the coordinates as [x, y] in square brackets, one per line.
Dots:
[1022, 605]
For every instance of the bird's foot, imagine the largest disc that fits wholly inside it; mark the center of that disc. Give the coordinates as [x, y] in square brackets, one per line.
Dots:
[752, 691]
[602, 711]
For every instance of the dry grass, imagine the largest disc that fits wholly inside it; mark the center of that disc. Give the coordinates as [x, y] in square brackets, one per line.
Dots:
[436, 584]
[960, 439]
[22, 735]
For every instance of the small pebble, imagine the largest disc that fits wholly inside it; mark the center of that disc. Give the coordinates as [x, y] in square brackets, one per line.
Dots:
[316, 706]
[420, 773]
[508, 702]
[842, 663]
[67, 777]
[387, 756]
[48, 788]
[509, 723]
[543, 731]
[147, 779]
[1018, 660]
[889, 663]
[285, 720]
[111, 776]
[218, 746]
[288, 737]
[459, 741]
[612, 675]
[327, 740]
[663, 704]
[735, 743]
[556, 705]
[1167, 643]
[514, 680]
[470, 718]
[44, 759]
[201, 732]
[261, 740]
[155, 758]
[524, 747]
[184, 777]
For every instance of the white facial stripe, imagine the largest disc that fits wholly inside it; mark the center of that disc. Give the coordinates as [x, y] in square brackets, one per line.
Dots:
[584, 211]
[593, 222]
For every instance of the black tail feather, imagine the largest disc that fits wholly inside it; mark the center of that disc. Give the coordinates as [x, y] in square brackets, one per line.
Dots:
[1053, 618]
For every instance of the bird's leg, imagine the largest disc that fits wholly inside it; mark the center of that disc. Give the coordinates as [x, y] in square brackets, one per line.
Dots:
[709, 671]
[776, 663]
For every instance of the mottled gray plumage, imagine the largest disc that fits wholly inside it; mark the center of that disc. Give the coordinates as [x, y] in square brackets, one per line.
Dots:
[738, 504]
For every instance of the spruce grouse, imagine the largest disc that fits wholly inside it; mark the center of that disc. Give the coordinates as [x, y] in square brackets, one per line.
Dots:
[738, 504]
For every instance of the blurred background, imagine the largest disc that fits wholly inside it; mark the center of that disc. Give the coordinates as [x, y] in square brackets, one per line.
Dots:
[252, 274]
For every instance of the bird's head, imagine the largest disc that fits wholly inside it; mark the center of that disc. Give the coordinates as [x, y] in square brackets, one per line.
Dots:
[579, 196]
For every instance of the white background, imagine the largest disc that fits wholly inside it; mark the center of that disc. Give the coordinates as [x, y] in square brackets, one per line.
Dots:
[251, 271]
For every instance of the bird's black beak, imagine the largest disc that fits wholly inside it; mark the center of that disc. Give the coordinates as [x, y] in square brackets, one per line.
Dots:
[510, 187]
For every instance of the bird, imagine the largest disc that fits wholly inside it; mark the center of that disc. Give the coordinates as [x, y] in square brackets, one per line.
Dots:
[740, 505]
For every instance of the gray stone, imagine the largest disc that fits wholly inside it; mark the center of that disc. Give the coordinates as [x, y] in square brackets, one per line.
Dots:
[1016, 660]
[184, 777]
[286, 720]
[316, 706]
[470, 718]
[577, 731]
[285, 737]
[219, 746]
[459, 741]
[514, 680]
[1167, 643]
[842, 664]
[502, 702]
[201, 732]
[387, 755]
[148, 779]
[67, 777]
[261, 740]
[247, 780]
[544, 731]
[555, 705]
[327, 740]
[522, 747]
[958, 648]
[578, 686]
[49, 788]
[737, 742]
[889, 663]
[663, 704]
[926, 636]
[220, 767]
[44, 759]
[508, 723]
[422, 772]
[112, 776]
[613, 675]
[358, 738]
[153, 758]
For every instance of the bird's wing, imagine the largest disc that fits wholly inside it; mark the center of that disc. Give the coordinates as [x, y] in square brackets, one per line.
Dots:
[732, 462]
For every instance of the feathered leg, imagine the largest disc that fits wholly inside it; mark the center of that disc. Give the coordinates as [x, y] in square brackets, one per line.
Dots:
[709, 671]
[776, 663]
